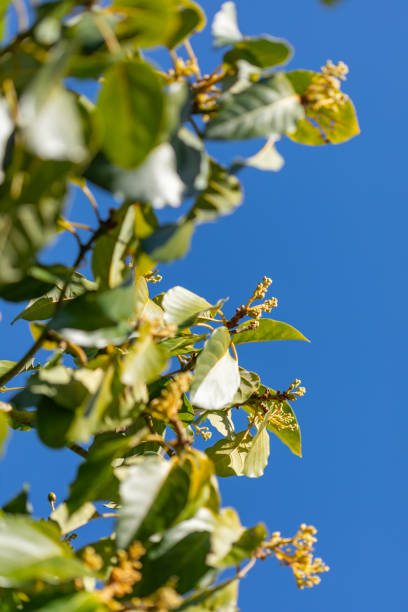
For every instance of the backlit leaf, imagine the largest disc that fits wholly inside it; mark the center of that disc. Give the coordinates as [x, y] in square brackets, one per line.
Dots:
[224, 29]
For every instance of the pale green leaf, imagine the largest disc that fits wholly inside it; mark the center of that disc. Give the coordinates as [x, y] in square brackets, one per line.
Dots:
[138, 493]
[222, 598]
[225, 29]
[228, 455]
[3, 430]
[182, 307]
[68, 523]
[222, 422]
[268, 158]
[216, 375]
[51, 125]
[258, 453]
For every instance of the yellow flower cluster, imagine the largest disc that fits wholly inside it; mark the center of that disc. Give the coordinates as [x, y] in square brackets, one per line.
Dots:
[124, 575]
[162, 600]
[324, 91]
[282, 420]
[297, 553]
[167, 405]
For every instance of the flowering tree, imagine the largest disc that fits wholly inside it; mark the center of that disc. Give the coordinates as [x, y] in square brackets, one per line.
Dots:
[128, 376]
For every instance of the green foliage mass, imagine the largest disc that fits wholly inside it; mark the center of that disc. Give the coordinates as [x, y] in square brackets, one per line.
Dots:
[104, 390]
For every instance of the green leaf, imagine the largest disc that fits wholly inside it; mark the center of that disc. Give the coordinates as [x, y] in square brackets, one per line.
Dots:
[262, 52]
[28, 215]
[110, 250]
[182, 345]
[19, 504]
[249, 541]
[266, 331]
[157, 494]
[131, 103]
[182, 307]
[228, 455]
[181, 554]
[221, 197]
[227, 530]
[192, 18]
[224, 29]
[169, 242]
[216, 375]
[95, 480]
[147, 22]
[6, 365]
[269, 107]
[248, 385]
[79, 602]
[31, 551]
[222, 598]
[95, 310]
[192, 161]
[53, 422]
[258, 453]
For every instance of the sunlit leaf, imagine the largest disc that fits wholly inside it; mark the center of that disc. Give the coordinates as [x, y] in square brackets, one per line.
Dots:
[182, 306]
[32, 551]
[258, 453]
[224, 29]
[267, 330]
[216, 375]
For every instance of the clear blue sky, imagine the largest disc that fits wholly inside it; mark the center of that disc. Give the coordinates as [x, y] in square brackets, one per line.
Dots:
[330, 230]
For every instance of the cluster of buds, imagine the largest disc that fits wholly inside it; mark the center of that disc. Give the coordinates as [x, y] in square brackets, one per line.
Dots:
[261, 289]
[183, 68]
[202, 431]
[153, 277]
[260, 292]
[297, 553]
[124, 575]
[294, 390]
[167, 405]
[324, 90]
[256, 311]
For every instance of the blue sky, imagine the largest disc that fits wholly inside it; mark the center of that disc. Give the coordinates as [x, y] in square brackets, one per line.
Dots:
[330, 230]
